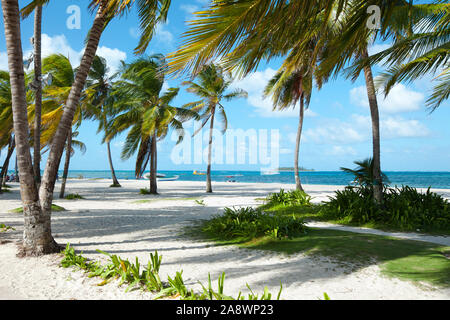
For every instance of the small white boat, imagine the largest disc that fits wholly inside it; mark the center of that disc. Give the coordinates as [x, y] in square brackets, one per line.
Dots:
[168, 179]
[158, 175]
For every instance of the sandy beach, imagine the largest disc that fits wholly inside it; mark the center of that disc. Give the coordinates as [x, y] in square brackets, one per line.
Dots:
[116, 221]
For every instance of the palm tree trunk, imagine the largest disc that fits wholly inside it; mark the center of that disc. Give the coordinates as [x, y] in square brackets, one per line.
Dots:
[208, 170]
[371, 93]
[3, 174]
[66, 166]
[65, 125]
[113, 173]
[37, 237]
[298, 183]
[153, 184]
[38, 97]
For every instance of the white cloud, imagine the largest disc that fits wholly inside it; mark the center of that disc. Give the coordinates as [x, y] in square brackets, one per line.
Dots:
[341, 151]
[400, 99]
[4, 61]
[359, 129]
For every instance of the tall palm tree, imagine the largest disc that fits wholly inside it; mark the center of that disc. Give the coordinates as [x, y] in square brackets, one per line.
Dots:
[37, 203]
[145, 112]
[212, 87]
[286, 92]
[37, 59]
[99, 88]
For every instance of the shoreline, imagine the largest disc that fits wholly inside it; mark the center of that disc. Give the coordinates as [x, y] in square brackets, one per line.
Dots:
[118, 221]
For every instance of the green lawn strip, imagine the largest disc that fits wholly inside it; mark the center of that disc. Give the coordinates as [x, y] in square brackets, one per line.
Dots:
[312, 213]
[405, 259]
[54, 209]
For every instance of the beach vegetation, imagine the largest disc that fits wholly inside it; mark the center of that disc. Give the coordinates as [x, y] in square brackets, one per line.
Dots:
[148, 278]
[55, 208]
[288, 198]
[246, 223]
[5, 228]
[73, 196]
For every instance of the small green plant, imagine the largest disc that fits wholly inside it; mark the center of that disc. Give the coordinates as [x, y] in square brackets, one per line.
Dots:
[288, 198]
[248, 223]
[200, 202]
[73, 196]
[55, 208]
[144, 191]
[72, 259]
[5, 228]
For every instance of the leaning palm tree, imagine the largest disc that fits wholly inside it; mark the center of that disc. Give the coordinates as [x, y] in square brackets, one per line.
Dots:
[212, 87]
[98, 90]
[145, 112]
[36, 202]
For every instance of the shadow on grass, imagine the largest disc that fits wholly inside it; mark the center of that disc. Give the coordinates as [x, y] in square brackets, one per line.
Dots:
[405, 259]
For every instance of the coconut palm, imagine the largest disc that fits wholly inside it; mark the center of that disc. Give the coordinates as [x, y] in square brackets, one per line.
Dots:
[99, 88]
[212, 87]
[363, 173]
[71, 143]
[36, 58]
[286, 92]
[146, 112]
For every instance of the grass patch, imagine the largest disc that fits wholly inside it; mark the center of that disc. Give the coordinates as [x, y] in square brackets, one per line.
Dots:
[55, 208]
[73, 196]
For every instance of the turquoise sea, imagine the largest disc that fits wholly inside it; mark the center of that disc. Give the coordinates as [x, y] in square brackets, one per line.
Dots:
[438, 180]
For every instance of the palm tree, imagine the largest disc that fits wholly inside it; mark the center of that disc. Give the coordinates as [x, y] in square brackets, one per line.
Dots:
[71, 143]
[99, 88]
[37, 44]
[146, 112]
[212, 87]
[363, 173]
[288, 92]
[37, 203]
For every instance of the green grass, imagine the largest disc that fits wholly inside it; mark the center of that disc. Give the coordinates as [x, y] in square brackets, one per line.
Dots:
[55, 208]
[405, 259]
[73, 196]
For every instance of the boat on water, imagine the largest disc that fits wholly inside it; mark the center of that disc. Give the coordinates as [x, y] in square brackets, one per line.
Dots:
[175, 177]
[198, 173]
[158, 175]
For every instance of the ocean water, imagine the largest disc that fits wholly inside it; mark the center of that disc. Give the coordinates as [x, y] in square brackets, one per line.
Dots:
[438, 180]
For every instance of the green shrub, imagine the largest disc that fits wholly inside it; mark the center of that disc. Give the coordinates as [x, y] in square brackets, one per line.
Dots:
[249, 223]
[403, 208]
[4, 228]
[144, 191]
[293, 197]
[73, 196]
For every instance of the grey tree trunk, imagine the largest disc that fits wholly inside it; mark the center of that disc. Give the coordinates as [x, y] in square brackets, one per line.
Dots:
[37, 236]
[371, 93]
[298, 183]
[38, 93]
[65, 125]
[113, 173]
[208, 170]
[66, 166]
[4, 173]
[153, 167]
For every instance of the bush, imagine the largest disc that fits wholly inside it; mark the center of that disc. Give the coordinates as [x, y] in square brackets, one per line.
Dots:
[403, 208]
[294, 197]
[249, 223]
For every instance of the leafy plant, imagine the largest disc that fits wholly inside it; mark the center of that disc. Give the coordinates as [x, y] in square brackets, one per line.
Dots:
[4, 228]
[73, 196]
[200, 202]
[293, 197]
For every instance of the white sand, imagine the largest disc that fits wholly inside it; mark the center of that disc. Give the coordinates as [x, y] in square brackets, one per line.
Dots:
[112, 220]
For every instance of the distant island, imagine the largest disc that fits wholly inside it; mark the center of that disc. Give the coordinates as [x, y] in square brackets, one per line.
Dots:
[287, 169]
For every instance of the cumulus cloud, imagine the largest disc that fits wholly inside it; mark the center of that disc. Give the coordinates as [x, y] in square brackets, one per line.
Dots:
[400, 99]
[358, 129]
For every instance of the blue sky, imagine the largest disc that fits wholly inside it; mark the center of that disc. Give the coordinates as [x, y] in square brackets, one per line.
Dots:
[337, 127]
